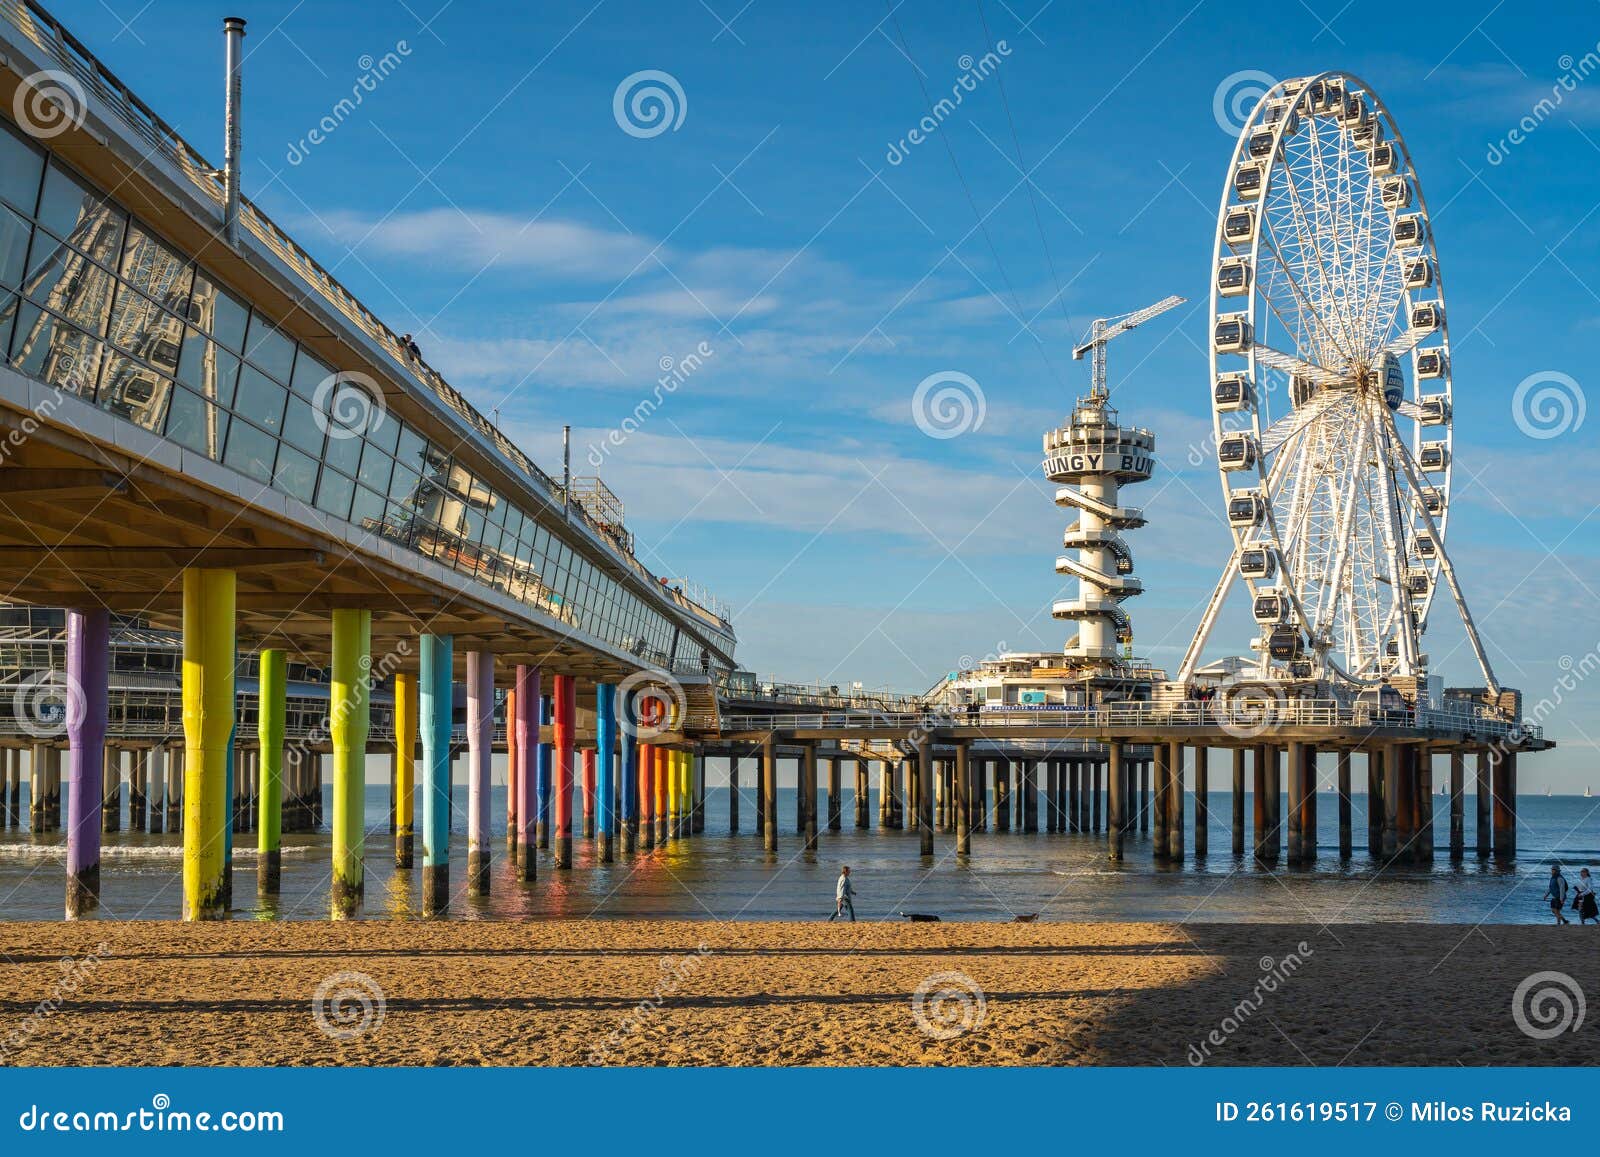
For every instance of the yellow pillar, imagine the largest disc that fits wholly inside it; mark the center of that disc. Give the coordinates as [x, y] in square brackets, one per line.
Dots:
[349, 717]
[405, 749]
[208, 707]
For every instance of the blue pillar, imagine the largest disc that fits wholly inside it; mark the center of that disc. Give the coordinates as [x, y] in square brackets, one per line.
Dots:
[605, 727]
[629, 770]
[437, 696]
[546, 763]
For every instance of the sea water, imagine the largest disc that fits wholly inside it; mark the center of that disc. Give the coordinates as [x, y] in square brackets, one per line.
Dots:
[721, 876]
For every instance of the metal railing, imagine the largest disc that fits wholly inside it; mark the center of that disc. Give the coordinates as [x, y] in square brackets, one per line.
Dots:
[1240, 718]
[44, 31]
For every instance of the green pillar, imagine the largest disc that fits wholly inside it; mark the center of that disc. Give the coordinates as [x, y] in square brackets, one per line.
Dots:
[348, 711]
[269, 730]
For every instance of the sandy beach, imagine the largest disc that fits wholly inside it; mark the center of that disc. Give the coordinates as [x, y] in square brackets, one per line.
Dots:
[682, 993]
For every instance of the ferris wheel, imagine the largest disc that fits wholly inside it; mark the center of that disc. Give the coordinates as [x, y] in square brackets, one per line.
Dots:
[1326, 300]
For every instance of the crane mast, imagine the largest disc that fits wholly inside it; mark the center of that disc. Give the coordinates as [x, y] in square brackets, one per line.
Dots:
[1103, 329]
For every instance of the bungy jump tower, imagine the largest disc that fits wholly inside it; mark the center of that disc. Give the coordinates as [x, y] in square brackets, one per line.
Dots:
[1090, 458]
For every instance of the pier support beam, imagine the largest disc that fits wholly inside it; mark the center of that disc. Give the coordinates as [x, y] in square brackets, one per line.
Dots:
[405, 769]
[769, 792]
[1391, 800]
[1030, 796]
[1346, 840]
[1002, 800]
[1269, 810]
[963, 800]
[1503, 781]
[733, 792]
[88, 658]
[863, 779]
[1202, 801]
[1375, 801]
[270, 713]
[1458, 819]
[1161, 775]
[1297, 800]
[349, 716]
[925, 795]
[523, 733]
[110, 797]
[1238, 801]
[157, 789]
[605, 730]
[564, 708]
[208, 718]
[1424, 757]
[480, 755]
[1484, 806]
[646, 778]
[808, 802]
[543, 784]
[1175, 802]
[436, 703]
[1145, 770]
[1117, 803]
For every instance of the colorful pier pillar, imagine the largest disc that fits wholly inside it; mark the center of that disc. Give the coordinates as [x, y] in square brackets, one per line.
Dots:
[480, 747]
[512, 827]
[644, 779]
[586, 760]
[526, 737]
[627, 770]
[436, 699]
[405, 767]
[542, 785]
[605, 727]
[662, 814]
[669, 762]
[208, 713]
[269, 730]
[564, 708]
[350, 719]
[88, 656]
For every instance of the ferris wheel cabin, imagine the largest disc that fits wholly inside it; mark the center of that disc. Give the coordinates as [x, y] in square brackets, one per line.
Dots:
[1246, 508]
[1237, 452]
[1233, 277]
[1258, 562]
[1233, 334]
[1233, 392]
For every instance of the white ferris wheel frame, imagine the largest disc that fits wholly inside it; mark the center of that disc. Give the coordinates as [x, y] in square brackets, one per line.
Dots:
[1310, 429]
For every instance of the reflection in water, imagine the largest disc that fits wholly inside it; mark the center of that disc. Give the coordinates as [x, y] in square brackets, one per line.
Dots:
[717, 876]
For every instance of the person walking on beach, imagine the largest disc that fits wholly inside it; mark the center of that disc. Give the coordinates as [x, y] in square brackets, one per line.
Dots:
[1583, 901]
[843, 897]
[1556, 893]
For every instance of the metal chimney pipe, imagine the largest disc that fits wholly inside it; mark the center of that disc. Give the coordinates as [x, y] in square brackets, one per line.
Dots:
[233, 34]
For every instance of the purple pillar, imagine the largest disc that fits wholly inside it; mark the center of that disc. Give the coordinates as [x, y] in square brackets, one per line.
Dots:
[88, 657]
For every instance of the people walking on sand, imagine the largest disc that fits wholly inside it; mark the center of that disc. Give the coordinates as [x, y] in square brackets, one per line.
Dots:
[1556, 894]
[843, 897]
[1583, 901]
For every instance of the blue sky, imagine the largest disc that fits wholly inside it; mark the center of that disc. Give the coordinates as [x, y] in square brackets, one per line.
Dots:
[484, 196]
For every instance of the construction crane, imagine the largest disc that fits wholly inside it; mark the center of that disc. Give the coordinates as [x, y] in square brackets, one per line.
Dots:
[1103, 329]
